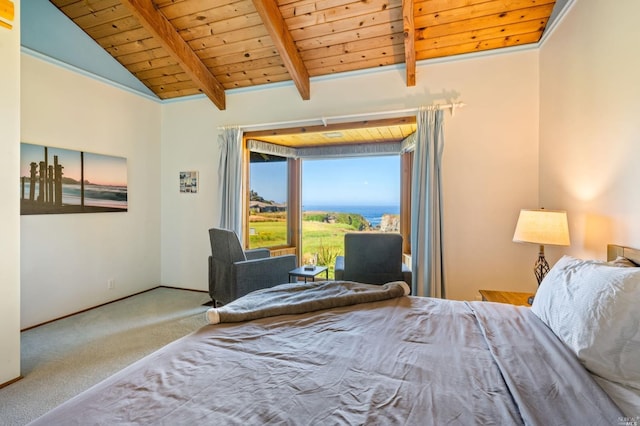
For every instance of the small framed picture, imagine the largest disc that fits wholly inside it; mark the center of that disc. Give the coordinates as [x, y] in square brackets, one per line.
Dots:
[189, 182]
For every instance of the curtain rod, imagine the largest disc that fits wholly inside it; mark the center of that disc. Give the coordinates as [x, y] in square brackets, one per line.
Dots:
[343, 118]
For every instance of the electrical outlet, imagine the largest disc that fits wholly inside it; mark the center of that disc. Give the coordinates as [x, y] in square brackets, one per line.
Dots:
[111, 284]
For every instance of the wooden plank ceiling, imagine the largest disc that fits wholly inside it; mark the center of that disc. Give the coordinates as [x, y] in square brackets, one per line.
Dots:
[370, 131]
[184, 47]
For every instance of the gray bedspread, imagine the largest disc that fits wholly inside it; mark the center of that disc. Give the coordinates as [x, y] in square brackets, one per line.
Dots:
[299, 298]
[404, 361]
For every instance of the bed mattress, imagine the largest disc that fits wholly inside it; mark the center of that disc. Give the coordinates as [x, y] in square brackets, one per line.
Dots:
[406, 360]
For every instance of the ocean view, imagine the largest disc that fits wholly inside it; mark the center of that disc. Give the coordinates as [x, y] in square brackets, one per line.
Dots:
[94, 195]
[373, 214]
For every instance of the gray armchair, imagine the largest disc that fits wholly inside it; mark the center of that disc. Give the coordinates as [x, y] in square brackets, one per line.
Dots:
[372, 258]
[234, 272]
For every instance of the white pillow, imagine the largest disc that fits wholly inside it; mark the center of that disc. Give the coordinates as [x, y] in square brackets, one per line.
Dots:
[594, 308]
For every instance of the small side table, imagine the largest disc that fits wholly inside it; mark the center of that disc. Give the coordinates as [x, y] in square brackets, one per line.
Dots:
[309, 273]
[511, 297]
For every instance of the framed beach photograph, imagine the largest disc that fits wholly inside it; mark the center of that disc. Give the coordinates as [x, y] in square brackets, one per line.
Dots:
[57, 180]
[189, 182]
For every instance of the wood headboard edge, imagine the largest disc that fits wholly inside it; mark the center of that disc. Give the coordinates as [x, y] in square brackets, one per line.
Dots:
[614, 250]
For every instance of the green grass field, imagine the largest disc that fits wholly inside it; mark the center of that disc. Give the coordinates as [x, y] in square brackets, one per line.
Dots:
[320, 240]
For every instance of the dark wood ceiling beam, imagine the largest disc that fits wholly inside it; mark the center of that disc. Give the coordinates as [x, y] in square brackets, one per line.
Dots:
[283, 41]
[158, 25]
[409, 41]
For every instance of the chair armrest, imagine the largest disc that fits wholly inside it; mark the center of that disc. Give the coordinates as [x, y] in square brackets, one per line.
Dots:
[259, 253]
[339, 267]
[251, 275]
[406, 273]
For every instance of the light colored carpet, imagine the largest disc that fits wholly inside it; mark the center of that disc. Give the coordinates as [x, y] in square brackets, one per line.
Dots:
[65, 357]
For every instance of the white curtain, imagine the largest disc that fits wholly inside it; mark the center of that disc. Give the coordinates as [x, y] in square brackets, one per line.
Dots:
[426, 205]
[230, 179]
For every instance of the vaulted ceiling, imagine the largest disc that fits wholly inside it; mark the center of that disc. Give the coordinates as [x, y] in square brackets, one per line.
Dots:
[185, 47]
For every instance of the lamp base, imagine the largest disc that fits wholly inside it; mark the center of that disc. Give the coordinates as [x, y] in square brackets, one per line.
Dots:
[541, 266]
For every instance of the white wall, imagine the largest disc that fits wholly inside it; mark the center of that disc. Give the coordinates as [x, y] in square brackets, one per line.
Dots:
[491, 161]
[10, 211]
[66, 260]
[590, 126]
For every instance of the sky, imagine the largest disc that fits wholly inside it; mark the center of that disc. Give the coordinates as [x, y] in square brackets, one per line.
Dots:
[360, 181]
[98, 169]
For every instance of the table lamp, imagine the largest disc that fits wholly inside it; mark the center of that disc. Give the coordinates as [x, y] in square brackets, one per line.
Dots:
[542, 227]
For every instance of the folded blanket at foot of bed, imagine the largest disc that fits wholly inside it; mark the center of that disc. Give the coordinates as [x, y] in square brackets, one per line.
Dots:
[299, 298]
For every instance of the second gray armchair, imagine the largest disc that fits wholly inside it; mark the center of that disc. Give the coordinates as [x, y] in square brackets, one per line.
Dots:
[234, 272]
[372, 258]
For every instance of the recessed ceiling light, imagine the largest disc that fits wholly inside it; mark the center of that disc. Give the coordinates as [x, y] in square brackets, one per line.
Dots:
[332, 135]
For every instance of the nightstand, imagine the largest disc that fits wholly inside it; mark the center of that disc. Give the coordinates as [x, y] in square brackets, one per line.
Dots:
[512, 297]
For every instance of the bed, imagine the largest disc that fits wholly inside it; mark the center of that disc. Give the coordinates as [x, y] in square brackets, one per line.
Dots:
[350, 353]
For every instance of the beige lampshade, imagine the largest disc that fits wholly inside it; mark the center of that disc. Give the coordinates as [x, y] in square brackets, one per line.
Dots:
[542, 227]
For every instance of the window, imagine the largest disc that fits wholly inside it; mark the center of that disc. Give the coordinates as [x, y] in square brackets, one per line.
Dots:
[347, 195]
[277, 199]
[268, 201]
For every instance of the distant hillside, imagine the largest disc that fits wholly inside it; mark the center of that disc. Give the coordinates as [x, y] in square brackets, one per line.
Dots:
[356, 221]
[72, 181]
[254, 196]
